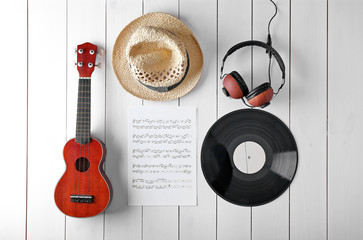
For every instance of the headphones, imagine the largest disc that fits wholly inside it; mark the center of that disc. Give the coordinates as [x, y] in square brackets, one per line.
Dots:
[235, 87]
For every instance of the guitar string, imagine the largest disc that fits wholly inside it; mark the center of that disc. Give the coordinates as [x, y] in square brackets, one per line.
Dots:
[75, 172]
[76, 143]
[86, 136]
[88, 100]
[79, 136]
[83, 135]
[85, 94]
[89, 141]
[89, 168]
[80, 131]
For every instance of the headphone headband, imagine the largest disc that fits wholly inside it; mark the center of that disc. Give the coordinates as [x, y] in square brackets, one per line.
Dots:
[268, 48]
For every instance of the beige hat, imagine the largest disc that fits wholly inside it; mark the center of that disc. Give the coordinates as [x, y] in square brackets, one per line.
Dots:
[156, 57]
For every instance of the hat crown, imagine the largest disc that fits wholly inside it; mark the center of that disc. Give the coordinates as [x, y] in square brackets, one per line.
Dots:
[156, 56]
[126, 73]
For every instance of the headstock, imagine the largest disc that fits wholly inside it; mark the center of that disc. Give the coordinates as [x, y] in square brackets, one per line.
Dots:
[86, 59]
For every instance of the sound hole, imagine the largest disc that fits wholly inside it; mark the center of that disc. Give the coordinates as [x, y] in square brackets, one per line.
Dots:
[82, 164]
[249, 157]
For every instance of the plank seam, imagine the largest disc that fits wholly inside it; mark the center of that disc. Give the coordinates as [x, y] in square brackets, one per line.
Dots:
[327, 120]
[66, 102]
[142, 222]
[217, 57]
[178, 2]
[289, 211]
[217, 106]
[142, 104]
[178, 222]
[251, 217]
[105, 112]
[27, 121]
[178, 97]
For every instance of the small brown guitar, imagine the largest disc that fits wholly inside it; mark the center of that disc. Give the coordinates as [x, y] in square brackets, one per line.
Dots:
[83, 190]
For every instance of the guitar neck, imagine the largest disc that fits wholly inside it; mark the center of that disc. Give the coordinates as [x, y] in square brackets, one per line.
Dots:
[83, 111]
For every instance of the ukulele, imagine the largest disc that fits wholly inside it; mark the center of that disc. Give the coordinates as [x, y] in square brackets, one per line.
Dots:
[83, 190]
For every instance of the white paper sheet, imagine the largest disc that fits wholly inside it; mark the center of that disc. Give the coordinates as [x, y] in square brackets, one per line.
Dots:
[162, 156]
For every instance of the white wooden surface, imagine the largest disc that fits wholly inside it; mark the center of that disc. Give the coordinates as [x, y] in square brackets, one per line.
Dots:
[47, 74]
[309, 118]
[320, 42]
[233, 222]
[86, 20]
[345, 193]
[13, 127]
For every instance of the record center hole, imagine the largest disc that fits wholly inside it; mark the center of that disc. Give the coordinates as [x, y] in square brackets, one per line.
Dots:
[249, 157]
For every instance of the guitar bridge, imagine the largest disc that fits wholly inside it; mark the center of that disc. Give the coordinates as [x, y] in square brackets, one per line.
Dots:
[82, 198]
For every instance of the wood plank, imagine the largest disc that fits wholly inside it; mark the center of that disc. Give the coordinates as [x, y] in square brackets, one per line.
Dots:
[120, 220]
[170, 7]
[345, 193]
[13, 124]
[161, 222]
[213, 217]
[46, 116]
[234, 26]
[271, 221]
[86, 23]
[199, 222]
[308, 95]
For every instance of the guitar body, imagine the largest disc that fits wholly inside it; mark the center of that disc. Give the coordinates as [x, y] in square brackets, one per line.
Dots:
[83, 190]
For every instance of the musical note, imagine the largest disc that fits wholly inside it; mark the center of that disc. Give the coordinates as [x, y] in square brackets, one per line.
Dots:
[162, 156]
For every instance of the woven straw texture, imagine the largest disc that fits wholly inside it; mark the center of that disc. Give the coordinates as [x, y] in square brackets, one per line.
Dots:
[157, 57]
[127, 75]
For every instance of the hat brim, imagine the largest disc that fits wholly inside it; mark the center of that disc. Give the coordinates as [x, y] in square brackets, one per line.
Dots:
[125, 75]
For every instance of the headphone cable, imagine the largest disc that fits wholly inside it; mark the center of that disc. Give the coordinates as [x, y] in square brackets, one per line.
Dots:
[269, 23]
[269, 42]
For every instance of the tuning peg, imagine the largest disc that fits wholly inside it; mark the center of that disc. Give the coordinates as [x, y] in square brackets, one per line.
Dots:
[99, 65]
[101, 52]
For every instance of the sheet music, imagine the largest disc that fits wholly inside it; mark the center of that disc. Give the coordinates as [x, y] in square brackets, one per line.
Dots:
[162, 156]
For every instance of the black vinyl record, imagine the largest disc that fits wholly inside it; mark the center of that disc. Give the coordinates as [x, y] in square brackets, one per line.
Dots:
[242, 126]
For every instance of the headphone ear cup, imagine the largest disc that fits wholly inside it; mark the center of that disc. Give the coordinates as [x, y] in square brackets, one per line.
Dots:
[234, 86]
[261, 95]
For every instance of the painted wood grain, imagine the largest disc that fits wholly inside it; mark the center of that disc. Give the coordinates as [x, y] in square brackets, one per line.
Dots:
[345, 194]
[308, 118]
[86, 23]
[161, 222]
[234, 26]
[121, 221]
[325, 197]
[13, 123]
[271, 221]
[46, 116]
[199, 222]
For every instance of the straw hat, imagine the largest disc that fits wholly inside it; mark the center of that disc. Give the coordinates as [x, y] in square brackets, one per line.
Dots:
[156, 57]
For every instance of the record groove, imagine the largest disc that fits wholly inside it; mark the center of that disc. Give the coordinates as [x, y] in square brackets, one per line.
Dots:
[217, 157]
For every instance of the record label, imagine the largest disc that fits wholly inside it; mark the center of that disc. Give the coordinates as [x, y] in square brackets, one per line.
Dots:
[249, 125]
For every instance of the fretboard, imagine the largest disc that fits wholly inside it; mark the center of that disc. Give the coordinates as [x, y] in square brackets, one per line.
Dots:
[83, 111]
